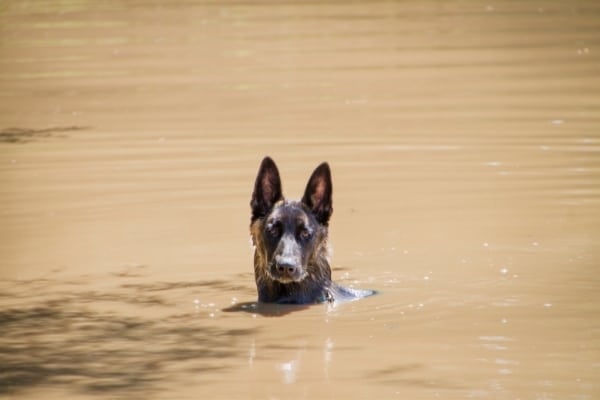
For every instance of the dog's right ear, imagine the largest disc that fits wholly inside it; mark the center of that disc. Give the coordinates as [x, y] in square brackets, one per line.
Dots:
[317, 196]
[267, 189]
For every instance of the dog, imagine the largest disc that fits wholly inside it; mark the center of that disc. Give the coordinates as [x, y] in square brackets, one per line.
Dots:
[291, 254]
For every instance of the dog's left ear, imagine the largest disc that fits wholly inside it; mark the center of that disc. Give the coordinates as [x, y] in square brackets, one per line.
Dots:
[267, 189]
[317, 196]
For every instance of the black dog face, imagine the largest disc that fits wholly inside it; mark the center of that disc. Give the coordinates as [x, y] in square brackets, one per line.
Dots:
[290, 236]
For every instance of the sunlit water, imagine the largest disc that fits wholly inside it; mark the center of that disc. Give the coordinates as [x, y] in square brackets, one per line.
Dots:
[464, 139]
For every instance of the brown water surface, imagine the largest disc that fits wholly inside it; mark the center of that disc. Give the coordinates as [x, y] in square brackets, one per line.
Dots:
[464, 138]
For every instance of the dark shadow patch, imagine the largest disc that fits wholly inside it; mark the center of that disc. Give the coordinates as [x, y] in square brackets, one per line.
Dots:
[266, 309]
[68, 337]
[408, 375]
[25, 135]
[339, 293]
[224, 285]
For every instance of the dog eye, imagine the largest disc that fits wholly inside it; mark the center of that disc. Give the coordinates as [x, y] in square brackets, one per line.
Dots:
[274, 229]
[304, 234]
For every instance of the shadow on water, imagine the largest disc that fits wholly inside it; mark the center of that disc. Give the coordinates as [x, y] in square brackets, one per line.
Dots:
[59, 340]
[24, 135]
[266, 309]
[223, 285]
[342, 295]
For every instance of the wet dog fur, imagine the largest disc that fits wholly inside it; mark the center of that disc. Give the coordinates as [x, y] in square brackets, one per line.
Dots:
[290, 239]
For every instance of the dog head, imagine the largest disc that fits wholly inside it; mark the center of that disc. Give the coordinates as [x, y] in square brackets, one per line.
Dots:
[289, 235]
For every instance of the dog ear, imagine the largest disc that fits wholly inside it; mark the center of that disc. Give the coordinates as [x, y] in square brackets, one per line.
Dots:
[267, 189]
[317, 196]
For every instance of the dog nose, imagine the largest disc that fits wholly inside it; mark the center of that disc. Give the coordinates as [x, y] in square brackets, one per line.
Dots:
[286, 267]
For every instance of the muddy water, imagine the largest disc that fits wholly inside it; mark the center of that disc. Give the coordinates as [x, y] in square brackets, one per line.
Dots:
[464, 139]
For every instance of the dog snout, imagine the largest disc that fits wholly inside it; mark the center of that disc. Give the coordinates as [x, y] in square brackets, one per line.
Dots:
[287, 261]
[287, 269]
